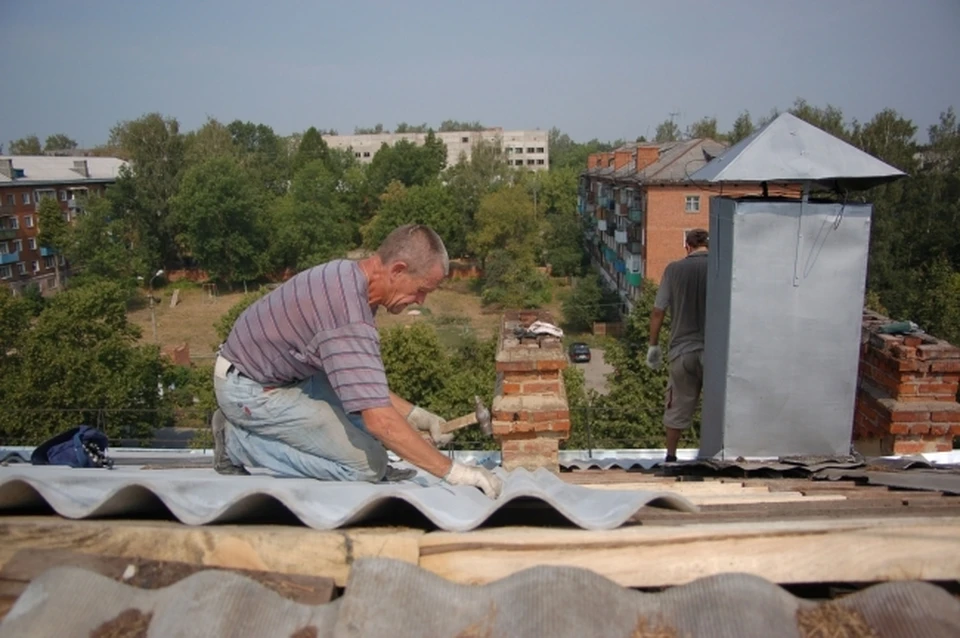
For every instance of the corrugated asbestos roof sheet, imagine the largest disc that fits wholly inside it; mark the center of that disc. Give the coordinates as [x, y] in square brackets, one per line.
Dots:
[201, 496]
[384, 597]
[40, 168]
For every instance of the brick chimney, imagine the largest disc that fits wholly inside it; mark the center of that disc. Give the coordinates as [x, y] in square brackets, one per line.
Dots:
[621, 159]
[907, 393]
[647, 155]
[6, 168]
[530, 411]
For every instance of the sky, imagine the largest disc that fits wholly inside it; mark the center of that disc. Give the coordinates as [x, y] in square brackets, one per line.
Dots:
[607, 70]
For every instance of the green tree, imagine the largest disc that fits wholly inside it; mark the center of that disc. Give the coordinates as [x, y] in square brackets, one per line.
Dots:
[78, 363]
[455, 125]
[263, 153]
[309, 225]
[667, 131]
[154, 146]
[211, 140]
[407, 163]
[403, 127]
[469, 181]
[829, 118]
[311, 148]
[103, 245]
[705, 128]
[505, 220]
[59, 142]
[217, 207]
[54, 231]
[432, 205]
[371, 130]
[29, 145]
[742, 128]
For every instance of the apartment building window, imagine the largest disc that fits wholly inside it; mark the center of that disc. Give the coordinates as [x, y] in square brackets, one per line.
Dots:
[519, 162]
[46, 193]
[366, 153]
[357, 154]
[4, 249]
[17, 245]
[28, 221]
[63, 196]
[32, 243]
[11, 200]
[25, 198]
[48, 262]
[21, 268]
[14, 223]
[530, 149]
[465, 140]
[35, 265]
[540, 162]
[692, 204]
[519, 149]
[539, 149]
[6, 272]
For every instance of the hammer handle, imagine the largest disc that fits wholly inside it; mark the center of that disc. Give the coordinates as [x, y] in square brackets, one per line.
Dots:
[459, 422]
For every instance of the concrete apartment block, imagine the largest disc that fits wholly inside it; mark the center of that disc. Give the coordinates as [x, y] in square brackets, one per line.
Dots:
[522, 149]
[907, 392]
[530, 410]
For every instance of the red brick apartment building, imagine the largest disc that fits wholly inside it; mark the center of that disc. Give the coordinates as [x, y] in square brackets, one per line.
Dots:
[638, 202]
[24, 181]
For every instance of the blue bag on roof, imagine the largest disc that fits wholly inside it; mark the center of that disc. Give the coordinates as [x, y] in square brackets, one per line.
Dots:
[82, 446]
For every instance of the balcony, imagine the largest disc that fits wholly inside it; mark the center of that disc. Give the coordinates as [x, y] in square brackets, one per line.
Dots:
[8, 233]
[74, 204]
[601, 225]
[620, 236]
[635, 248]
[634, 278]
[635, 214]
[9, 258]
[47, 252]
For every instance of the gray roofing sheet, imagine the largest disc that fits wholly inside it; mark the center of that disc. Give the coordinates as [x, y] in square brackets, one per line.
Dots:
[201, 496]
[788, 149]
[384, 597]
[48, 169]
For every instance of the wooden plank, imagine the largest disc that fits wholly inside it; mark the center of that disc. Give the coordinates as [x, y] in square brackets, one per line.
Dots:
[832, 550]
[283, 549]
[27, 564]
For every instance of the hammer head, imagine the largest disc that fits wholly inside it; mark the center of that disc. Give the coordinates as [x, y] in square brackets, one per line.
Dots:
[483, 417]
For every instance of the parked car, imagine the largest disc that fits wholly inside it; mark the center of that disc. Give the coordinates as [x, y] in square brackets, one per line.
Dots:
[579, 352]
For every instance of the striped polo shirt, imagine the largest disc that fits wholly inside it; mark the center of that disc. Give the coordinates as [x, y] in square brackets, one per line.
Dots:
[318, 321]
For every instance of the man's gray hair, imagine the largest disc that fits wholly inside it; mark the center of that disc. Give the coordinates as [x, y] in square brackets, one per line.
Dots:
[418, 245]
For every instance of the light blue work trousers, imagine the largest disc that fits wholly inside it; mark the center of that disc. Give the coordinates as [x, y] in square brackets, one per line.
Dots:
[296, 430]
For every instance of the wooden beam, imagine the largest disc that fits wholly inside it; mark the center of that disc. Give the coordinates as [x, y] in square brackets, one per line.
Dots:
[282, 549]
[799, 551]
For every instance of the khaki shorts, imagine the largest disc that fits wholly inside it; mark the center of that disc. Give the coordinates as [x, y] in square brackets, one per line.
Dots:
[683, 390]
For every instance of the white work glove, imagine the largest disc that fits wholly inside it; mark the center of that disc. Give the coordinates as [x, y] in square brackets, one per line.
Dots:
[425, 421]
[654, 357]
[481, 477]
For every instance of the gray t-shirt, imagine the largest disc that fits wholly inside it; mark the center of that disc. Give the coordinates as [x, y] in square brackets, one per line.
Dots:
[683, 294]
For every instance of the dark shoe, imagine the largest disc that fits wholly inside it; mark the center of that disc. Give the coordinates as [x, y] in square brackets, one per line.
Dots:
[221, 461]
[671, 458]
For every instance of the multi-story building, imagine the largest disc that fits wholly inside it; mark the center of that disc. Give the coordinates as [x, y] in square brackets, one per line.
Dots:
[527, 149]
[24, 181]
[638, 203]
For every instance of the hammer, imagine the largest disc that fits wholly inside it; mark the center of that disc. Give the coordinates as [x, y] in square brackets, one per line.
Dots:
[480, 416]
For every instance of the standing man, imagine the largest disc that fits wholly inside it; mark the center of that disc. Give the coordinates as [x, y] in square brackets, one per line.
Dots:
[301, 385]
[682, 292]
